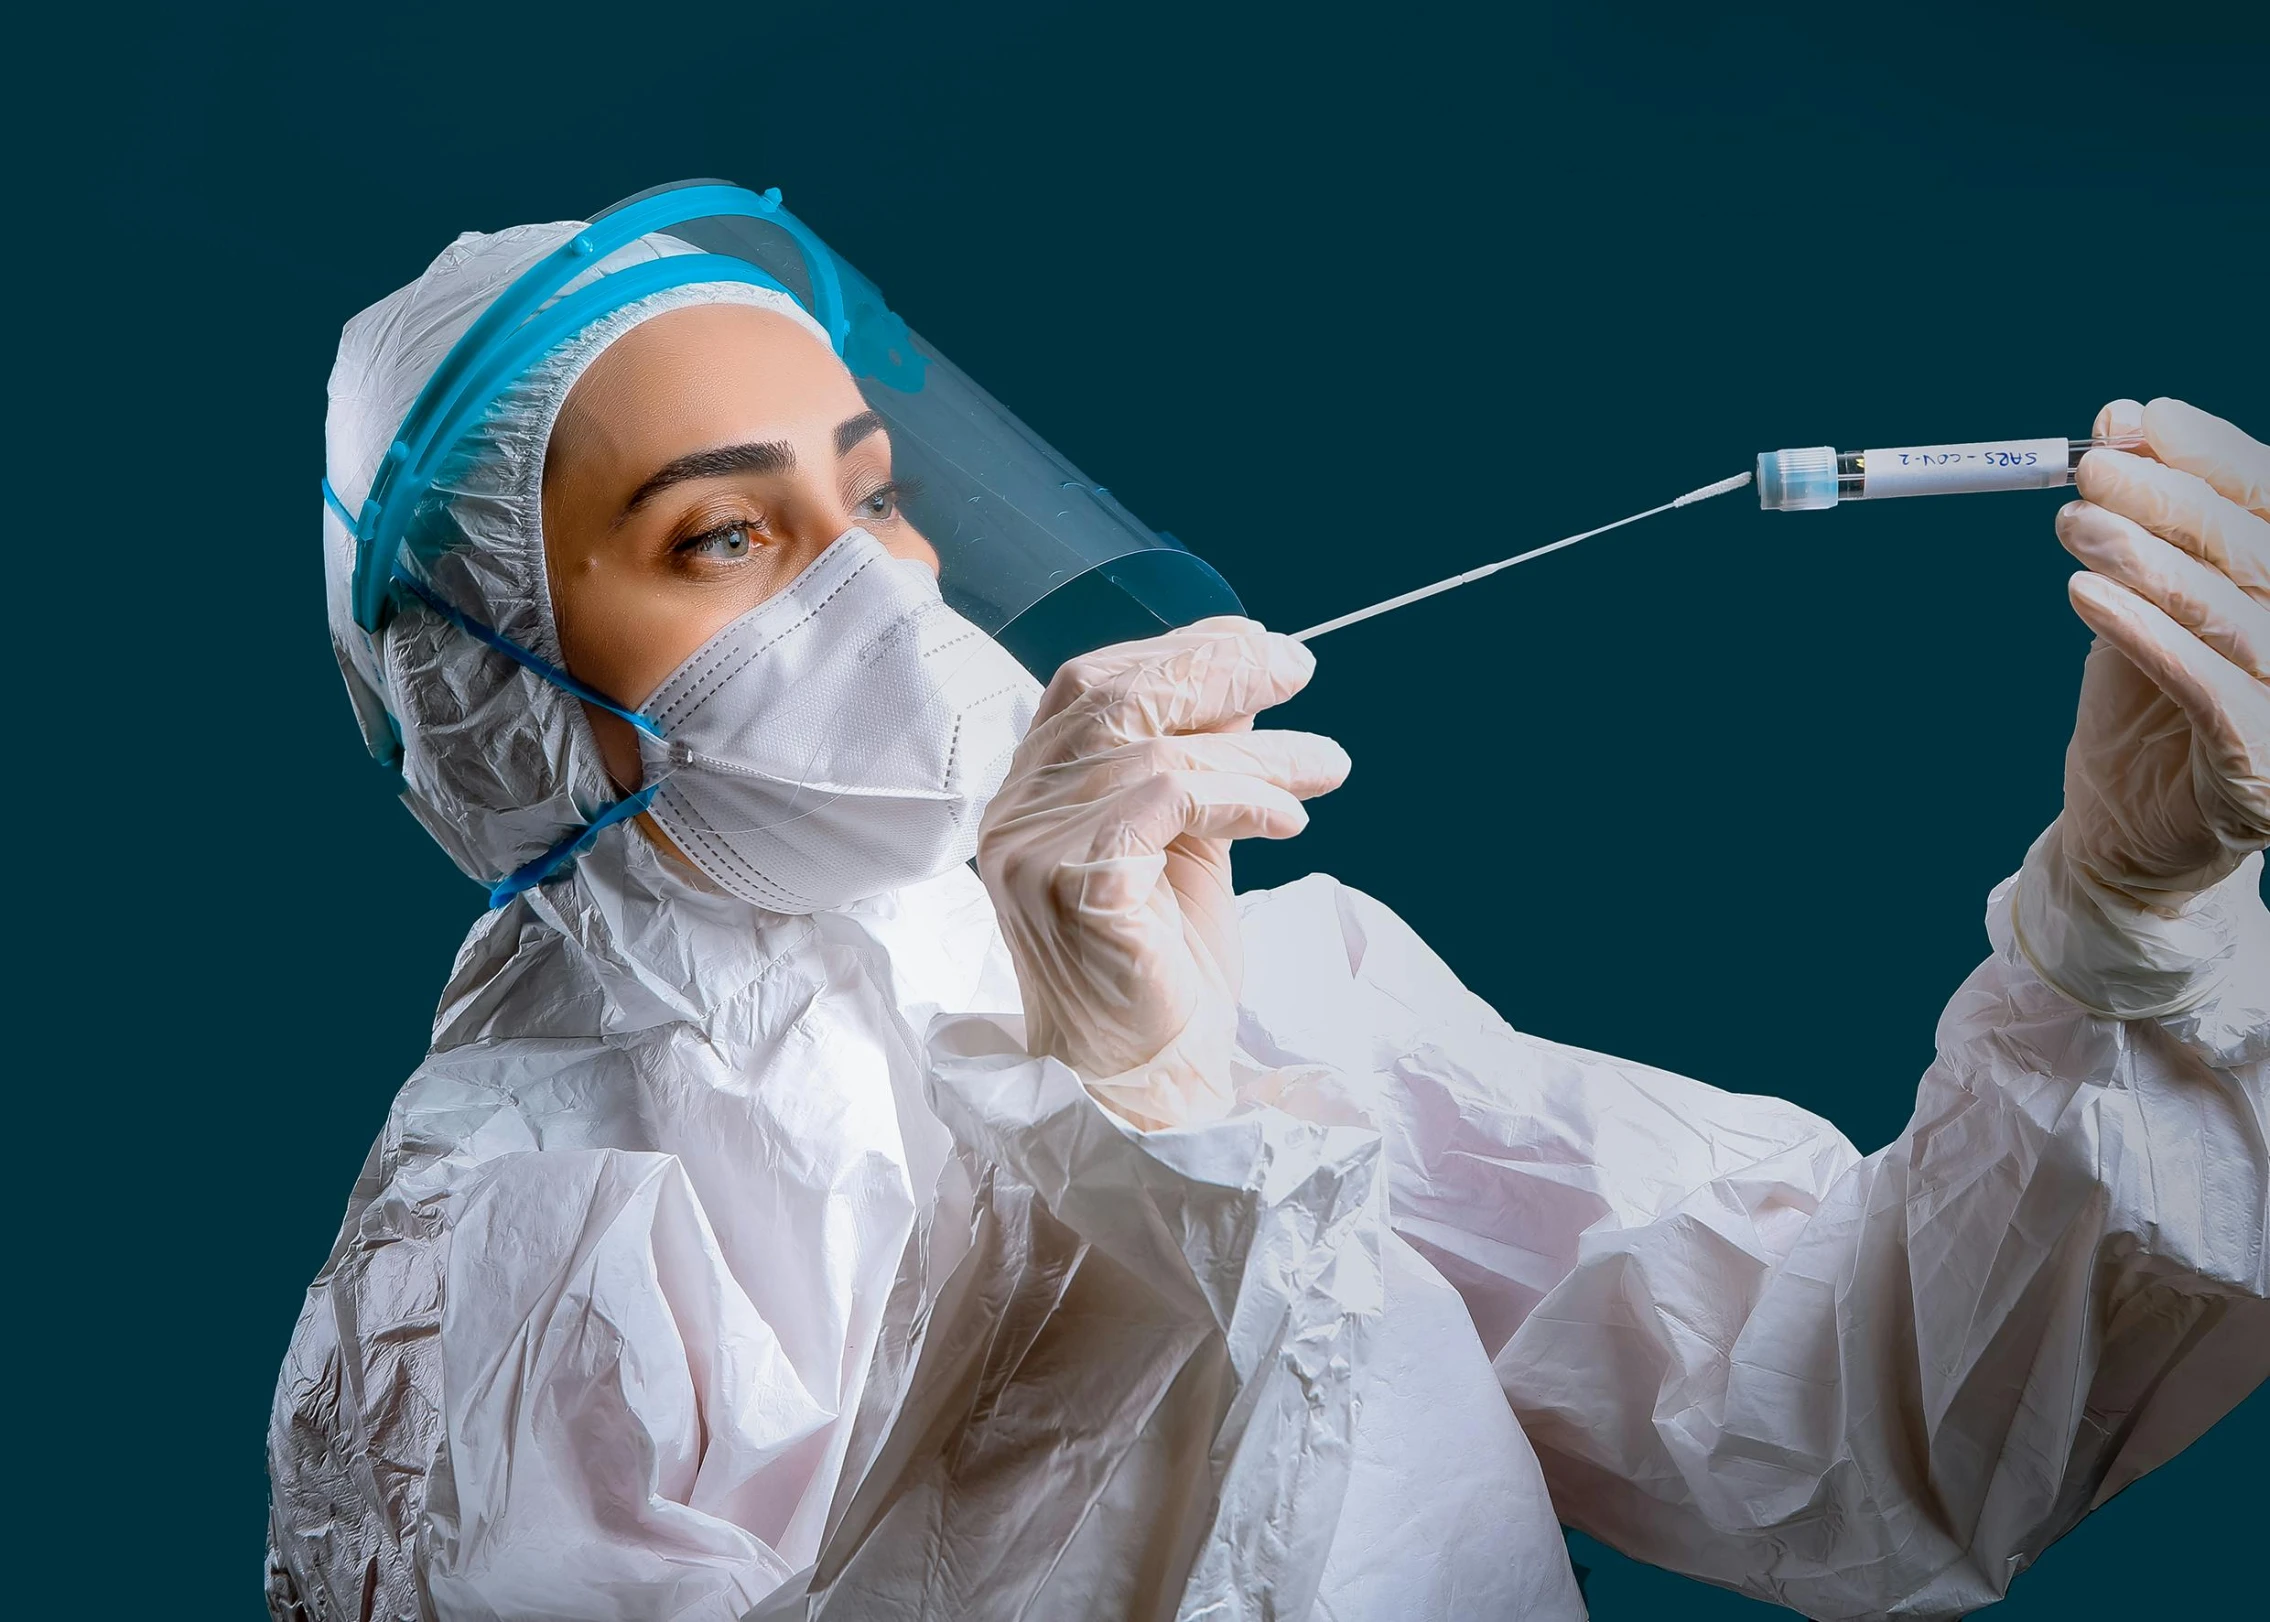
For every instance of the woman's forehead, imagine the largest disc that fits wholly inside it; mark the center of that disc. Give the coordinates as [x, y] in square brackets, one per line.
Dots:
[709, 370]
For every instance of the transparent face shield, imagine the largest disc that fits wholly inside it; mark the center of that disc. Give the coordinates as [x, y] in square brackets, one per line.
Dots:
[1031, 552]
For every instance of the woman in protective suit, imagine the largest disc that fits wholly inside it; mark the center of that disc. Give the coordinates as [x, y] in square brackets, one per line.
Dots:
[789, 1222]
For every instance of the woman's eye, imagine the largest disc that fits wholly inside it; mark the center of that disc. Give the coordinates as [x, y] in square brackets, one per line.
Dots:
[882, 504]
[728, 542]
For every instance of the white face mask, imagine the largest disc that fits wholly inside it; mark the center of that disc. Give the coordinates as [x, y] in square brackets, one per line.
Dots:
[838, 740]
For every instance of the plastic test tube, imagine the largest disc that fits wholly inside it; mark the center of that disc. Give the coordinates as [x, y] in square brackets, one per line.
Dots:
[1821, 476]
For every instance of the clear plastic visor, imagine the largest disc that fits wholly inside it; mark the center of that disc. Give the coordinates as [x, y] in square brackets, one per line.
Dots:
[1030, 549]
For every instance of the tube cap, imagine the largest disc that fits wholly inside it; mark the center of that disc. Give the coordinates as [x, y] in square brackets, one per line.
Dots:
[1797, 480]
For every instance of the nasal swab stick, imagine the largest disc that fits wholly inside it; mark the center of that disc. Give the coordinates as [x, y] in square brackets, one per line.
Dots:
[1488, 569]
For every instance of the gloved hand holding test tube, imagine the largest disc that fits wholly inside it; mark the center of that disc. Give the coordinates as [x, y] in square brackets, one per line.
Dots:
[1816, 476]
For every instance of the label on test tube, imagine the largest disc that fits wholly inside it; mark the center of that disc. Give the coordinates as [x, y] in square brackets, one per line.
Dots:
[1948, 470]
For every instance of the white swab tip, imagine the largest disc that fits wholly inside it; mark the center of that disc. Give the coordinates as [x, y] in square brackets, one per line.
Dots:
[1709, 490]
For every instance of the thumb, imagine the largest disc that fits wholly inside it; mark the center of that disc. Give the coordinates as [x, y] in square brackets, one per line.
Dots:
[2122, 419]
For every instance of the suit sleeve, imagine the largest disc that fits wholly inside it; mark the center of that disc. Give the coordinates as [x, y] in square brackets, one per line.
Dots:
[1851, 1385]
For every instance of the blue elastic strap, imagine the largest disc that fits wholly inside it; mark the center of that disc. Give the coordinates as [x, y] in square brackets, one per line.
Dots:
[568, 849]
[521, 656]
[531, 874]
[331, 500]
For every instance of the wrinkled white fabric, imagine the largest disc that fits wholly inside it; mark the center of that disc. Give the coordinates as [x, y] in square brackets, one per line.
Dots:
[1854, 1386]
[684, 1265]
[597, 1323]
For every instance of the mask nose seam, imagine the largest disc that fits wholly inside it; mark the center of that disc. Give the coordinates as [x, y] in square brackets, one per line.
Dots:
[952, 642]
[711, 679]
[739, 822]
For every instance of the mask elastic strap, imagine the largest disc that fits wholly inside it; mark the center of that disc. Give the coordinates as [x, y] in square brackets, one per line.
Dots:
[493, 638]
[530, 874]
[503, 644]
[574, 845]
[521, 656]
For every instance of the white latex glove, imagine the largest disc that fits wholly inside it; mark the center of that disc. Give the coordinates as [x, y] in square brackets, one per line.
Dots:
[2167, 779]
[1107, 855]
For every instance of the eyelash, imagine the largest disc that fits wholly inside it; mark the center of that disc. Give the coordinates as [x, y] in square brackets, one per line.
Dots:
[750, 526]
[897, 491]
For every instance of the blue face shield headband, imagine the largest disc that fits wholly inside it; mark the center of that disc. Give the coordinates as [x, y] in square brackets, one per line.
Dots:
[1030, 550]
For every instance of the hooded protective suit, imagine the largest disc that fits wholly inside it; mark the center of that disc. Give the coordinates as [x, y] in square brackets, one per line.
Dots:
[720, 1262]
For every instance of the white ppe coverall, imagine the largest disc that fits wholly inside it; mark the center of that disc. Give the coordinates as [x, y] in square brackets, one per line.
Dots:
[722, 1263]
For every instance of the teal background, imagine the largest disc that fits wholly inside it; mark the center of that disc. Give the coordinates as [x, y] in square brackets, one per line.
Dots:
[1347, 300]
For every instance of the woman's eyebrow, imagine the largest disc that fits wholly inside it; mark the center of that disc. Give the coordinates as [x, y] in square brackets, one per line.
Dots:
[852, 430]
[768, 456]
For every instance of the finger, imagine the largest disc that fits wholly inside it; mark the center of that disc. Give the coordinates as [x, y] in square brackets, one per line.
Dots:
[2233, 461]
[1090, 670]
[2184, 508]
[1303, 764]
[2202, 600]
[2121, 419]
[1213, 682]
[1202, 805]
[2229, 710]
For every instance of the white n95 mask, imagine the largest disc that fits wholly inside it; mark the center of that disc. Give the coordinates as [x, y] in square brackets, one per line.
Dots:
[838, 740]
